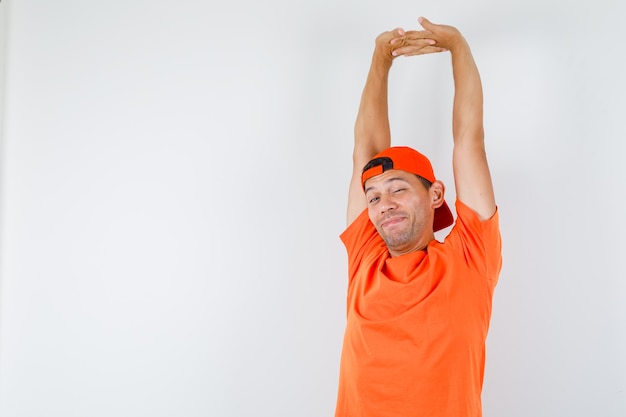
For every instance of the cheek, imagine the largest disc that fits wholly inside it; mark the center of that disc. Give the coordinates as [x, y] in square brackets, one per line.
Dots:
[374, 216]
[417, 205]
[371, 214]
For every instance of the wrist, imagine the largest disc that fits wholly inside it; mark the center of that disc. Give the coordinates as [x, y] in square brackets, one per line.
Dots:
[460, 46]
[382, 58]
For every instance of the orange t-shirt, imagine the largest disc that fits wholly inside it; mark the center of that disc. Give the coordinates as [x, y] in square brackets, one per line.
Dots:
[416, 324]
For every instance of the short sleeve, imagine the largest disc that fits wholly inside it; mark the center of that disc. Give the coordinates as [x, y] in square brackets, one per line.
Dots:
[361, 239]
[479, 241]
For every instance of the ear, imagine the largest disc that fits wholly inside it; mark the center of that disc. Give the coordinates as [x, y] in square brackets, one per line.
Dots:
[437, 191]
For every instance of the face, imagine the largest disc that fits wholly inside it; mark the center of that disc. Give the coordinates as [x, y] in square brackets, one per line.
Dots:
[401, 209]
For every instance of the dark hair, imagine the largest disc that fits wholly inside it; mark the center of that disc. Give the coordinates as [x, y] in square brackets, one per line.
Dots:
[424, 181]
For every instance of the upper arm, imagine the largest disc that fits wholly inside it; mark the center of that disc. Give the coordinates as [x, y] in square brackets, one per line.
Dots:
[356, 199]
[472, 178]
[356, 196]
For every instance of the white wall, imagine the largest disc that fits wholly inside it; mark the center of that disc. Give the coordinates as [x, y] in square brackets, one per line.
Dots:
[173, 185]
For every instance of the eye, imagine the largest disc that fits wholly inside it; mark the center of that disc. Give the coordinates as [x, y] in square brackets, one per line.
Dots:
[398, 190]
[373, 200]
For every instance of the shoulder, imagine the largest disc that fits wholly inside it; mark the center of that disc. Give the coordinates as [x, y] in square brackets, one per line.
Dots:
[359, 233]
[468, 220]
[363, 244]
[477, 242]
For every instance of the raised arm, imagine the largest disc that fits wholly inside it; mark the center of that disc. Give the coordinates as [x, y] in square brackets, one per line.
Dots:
[371, 129]
[471, 172]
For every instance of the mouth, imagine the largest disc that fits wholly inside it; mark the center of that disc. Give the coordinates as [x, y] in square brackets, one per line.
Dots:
[391, 221]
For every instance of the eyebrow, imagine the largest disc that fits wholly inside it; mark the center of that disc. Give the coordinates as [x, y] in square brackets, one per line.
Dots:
[387, 181]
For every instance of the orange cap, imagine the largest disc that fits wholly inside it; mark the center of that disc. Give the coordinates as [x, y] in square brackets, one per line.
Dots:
[409, 160]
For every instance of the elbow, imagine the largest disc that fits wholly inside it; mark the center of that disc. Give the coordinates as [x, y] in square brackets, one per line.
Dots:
[469, 136]
[364, 151]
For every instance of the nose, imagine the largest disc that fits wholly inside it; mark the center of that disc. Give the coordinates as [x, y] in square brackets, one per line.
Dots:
[386, 203]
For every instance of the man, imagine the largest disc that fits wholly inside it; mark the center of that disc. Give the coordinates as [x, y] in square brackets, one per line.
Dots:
[418, 309]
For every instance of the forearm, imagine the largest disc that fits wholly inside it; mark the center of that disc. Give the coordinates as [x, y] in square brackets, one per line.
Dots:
[371, 129]
[467, 115]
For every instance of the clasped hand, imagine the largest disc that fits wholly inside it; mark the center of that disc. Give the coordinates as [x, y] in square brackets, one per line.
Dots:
[434, 38]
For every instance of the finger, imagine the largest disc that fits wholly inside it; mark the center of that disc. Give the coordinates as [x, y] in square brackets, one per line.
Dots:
[412, 51]
[426, 24]
[427, 50]
[398, 34]
[418, 34]
[407, 45]
[412, 37]
[419, 41]
[388, 36]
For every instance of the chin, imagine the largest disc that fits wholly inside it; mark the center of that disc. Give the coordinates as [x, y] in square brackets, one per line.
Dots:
[394, 242]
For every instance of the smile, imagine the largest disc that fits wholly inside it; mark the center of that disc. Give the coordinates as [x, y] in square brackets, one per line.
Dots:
[392, 221]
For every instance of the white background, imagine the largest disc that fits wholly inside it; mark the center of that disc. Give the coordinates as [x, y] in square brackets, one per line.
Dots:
[173, 184]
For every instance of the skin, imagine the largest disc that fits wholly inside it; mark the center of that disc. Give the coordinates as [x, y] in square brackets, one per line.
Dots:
[472, 179]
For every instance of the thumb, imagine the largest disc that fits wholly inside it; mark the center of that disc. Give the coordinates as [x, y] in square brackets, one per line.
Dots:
[426, 24]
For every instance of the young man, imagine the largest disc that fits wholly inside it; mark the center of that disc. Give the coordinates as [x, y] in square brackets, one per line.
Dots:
[418, 310]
